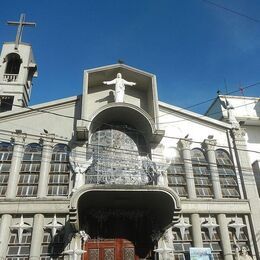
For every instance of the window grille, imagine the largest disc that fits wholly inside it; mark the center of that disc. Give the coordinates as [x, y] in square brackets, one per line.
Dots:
[16, 250]
[181, 246]
[120, 156]
[60, 171]
[227, 175]
[6, 152]
[29, 172]
[52, 248]
[243, 236]
[203, 183]
[176, 175]
[214, 243]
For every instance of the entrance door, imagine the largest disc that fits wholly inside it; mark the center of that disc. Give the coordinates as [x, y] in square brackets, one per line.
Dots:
[110, 249]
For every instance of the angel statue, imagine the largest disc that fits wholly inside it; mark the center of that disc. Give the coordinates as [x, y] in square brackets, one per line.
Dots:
[231, 114]
[120, 86]
[79, 169]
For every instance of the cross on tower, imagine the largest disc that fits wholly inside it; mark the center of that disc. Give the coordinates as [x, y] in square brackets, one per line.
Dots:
[20, 25]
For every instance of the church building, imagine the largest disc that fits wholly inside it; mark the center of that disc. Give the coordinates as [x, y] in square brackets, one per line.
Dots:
[116, 174]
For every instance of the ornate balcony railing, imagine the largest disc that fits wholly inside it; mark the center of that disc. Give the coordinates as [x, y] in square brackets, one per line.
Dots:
[10, 77]
[136, 178]
[127, 172]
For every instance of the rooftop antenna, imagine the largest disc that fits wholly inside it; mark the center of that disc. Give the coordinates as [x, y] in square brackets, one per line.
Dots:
[226, 88]
[241, 89]
[20, 25]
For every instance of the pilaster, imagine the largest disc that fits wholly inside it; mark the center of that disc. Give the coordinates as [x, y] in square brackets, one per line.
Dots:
[47, 145]
[37, 237]
[6, 221]
[209, 146]
[248, 181]
[224, 237]
[18, 139]
[184, 146]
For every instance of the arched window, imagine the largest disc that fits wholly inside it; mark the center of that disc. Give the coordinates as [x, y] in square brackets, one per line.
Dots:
[227, 175]
[201, 173]
[60, 171]
[13, 63]
[176, 174]
[30, 169]
[6, 152]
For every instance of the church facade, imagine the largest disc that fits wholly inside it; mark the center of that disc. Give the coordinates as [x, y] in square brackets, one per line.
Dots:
[116, 174]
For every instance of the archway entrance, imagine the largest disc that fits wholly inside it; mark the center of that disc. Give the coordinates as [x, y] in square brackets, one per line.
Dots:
[139, 214]
[109, 249]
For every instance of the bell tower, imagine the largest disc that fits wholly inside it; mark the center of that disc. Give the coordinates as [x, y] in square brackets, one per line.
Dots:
[17, 69]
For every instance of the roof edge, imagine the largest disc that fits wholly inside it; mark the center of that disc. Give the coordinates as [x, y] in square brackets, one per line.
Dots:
[195, 115]
[117, 65]
[39, 106]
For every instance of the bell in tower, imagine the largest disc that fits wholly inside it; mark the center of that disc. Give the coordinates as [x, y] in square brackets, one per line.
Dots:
[17, 68]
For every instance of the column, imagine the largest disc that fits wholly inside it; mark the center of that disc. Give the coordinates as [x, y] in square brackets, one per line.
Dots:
[47, 143]
[18, 150]
[196, 230]
[209, 146]
[224, 237]
[184, 146]
[37, 237]
[248, 182]
[6, 222]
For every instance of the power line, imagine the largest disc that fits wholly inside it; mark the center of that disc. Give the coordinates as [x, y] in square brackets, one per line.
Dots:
[165, 165]
[56, 140]
[231, 11]
[127, 152]
[86, 120]
[212, 99]
[162, 123]
[203, 116]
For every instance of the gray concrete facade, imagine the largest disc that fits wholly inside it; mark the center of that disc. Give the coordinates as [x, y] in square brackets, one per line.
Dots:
[108, 162]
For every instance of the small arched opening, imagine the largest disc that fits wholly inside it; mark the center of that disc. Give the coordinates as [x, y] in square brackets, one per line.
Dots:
[13, 63]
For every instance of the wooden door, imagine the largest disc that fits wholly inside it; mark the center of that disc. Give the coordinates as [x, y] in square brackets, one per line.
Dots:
[111, 249]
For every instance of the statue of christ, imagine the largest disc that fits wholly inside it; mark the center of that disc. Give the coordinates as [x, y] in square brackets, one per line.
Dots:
[120, 84]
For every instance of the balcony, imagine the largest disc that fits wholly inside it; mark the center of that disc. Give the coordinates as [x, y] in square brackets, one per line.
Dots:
[10, 77]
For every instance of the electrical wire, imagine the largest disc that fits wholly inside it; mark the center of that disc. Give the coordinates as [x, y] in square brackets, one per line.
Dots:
[56, 141]
[86, 120]
[231, 11]
[127, 159]
[203, 116]
[162, 123]
[212, 99]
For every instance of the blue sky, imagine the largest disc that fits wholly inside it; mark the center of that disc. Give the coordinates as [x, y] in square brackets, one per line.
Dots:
[192, 46]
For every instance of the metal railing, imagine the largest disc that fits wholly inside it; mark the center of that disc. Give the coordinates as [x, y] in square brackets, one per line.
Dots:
[127, 172]
[126, 178]
[10, 77]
